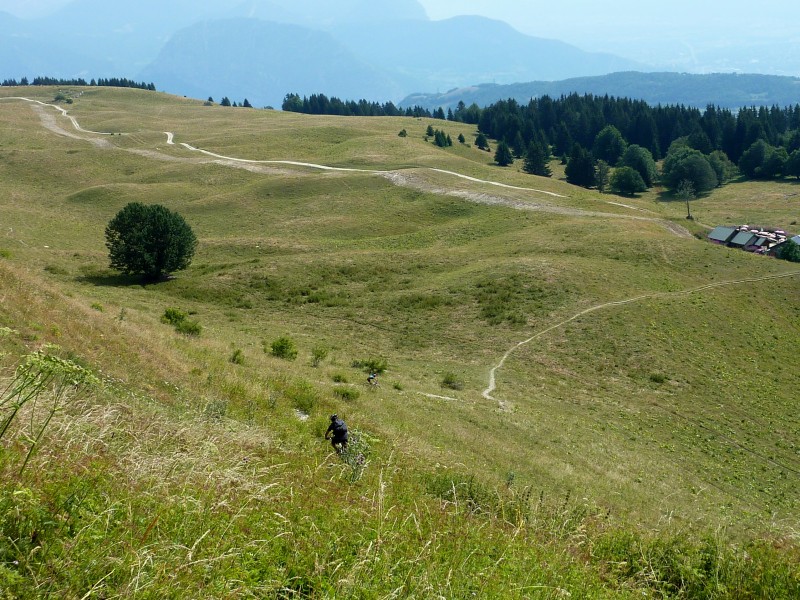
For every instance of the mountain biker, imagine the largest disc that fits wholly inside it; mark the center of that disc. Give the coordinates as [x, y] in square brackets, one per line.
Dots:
[372, 379]
[337, 434]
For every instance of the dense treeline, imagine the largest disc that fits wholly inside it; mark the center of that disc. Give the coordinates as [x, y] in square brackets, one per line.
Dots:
[579, 119]
[101, 82]
[703, 148]
[320, 104]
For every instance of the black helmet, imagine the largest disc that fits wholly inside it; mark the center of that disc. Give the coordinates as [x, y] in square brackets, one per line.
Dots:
[334, 417]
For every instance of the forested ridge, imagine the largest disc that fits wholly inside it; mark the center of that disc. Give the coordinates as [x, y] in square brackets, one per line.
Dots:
[578, 119]
[763, 142]
[80, 81]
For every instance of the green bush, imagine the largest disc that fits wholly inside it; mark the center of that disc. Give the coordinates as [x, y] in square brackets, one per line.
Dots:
[451, 381]
[188, 327]
[173, 316]
[339, 378]
[284, 348]
[150, 240]
[237, 358]
[372, 365]
[318, 354]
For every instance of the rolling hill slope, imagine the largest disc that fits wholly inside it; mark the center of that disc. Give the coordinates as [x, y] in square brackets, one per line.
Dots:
[671, 413]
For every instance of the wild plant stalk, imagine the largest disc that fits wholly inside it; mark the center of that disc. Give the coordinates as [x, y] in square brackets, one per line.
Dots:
[41, 378]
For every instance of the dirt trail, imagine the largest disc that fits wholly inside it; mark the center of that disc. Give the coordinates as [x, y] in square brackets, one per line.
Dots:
[487, 393]
[411, 180]
[407, 178]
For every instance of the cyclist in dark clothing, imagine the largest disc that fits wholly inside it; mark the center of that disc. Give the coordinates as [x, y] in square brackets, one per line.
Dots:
[337, 434]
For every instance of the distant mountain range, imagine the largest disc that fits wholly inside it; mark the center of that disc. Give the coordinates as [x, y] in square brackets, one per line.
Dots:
[263, 49]
[727, 90]
[373, 49]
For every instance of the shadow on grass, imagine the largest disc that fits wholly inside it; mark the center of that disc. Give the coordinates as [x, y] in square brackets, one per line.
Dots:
[112, 280]
[669, 196]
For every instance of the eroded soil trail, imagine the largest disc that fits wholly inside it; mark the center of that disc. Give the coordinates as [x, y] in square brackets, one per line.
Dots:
[487, 393]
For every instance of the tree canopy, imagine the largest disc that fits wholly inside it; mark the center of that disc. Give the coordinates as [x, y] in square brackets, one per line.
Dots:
[609, 145]
[687, 164]
[627, 181]
[536, 160]
[789, 251]
[580, 167]
[502, 155]
[149, 240]
[641, 160]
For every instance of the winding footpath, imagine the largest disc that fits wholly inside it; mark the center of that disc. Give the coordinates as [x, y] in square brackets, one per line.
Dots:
[487, 393]
[408, 179]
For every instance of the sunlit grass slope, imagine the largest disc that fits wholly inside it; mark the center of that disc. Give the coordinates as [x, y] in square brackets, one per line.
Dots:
[676, 411]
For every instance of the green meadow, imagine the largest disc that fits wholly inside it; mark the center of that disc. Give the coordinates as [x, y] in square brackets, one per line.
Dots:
[642, 438]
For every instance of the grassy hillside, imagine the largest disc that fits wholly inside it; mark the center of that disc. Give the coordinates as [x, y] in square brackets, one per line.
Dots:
[615, 439]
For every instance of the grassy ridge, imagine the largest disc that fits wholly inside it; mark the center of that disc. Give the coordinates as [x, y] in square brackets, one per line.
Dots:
[659, 411]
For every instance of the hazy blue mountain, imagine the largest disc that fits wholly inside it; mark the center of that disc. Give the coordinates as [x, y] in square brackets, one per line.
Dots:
[324, 14]
[464, 50]
[129, 35]
[262, 61]
[26, 53]
[727, 90]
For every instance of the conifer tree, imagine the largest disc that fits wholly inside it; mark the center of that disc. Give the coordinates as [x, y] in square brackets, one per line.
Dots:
[502, 155]
[536, 160]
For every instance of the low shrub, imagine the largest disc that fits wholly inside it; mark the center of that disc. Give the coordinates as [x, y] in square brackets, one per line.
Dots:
[188, 327]
[318, 354]
[451, 381]
[237, 358]
[372, 365]
[173, 316]
[284, 348]
[216, 409]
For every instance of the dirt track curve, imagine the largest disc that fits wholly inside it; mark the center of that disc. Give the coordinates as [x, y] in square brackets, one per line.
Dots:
[487, 393]
[410, 178]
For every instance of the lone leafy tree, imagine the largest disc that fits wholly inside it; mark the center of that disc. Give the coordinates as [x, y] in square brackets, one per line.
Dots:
[627, 181]
[149, 240]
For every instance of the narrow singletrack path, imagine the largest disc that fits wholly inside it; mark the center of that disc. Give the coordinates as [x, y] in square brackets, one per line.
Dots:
[403, 179]
[487, 393]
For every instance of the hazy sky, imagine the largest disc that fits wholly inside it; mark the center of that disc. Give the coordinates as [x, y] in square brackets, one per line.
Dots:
[575, 20]
[584, 21]
[698, 35]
